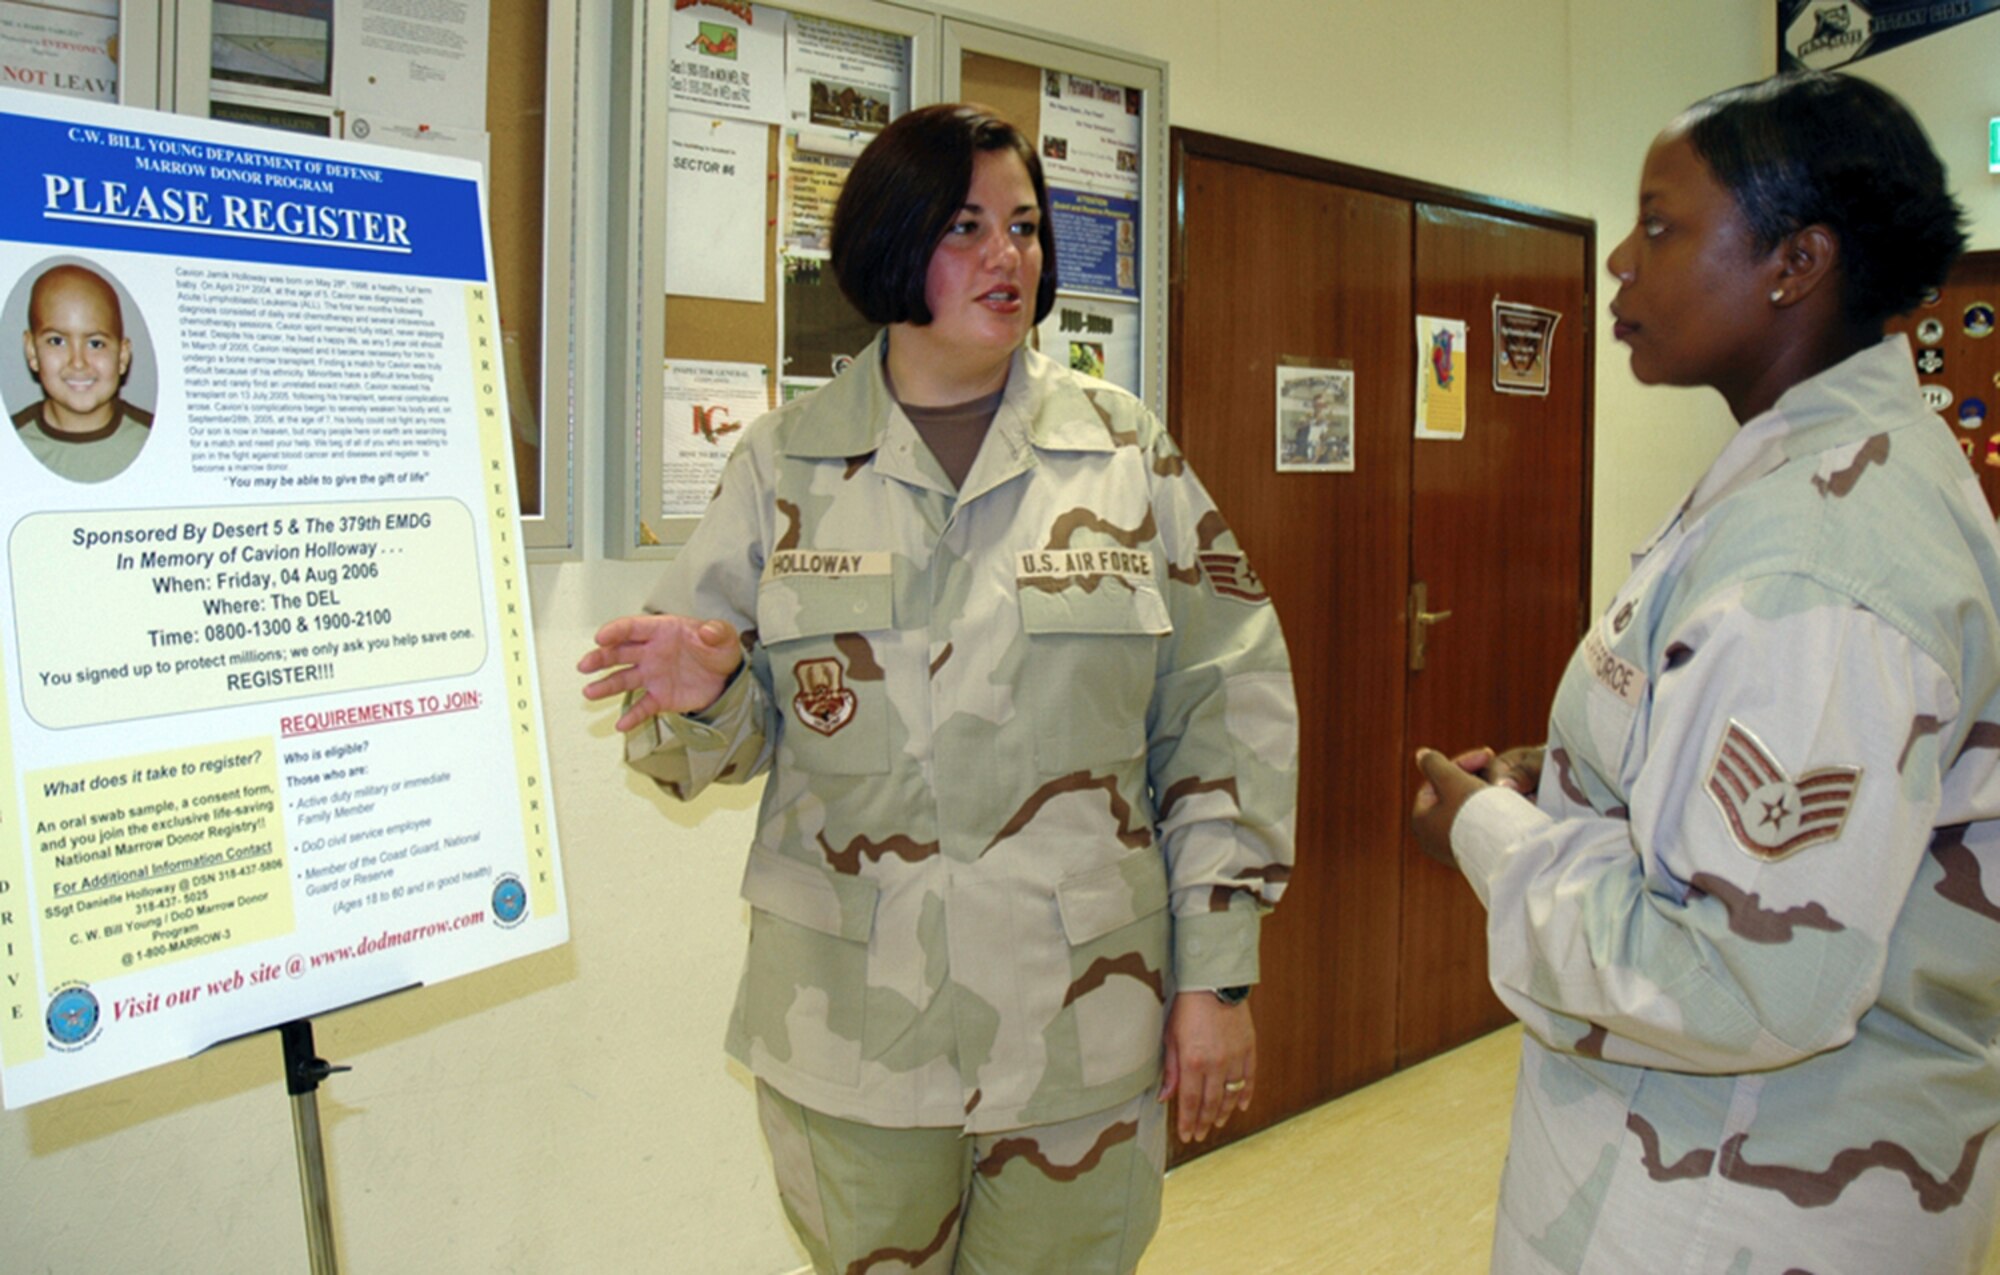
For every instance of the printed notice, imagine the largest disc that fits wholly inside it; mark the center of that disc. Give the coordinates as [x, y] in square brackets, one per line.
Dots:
[706, 406]
[843, 76]
[56, 51]
[269, 734]
[728, 58]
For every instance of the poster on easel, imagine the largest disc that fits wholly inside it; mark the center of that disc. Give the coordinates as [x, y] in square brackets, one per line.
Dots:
[270, 736]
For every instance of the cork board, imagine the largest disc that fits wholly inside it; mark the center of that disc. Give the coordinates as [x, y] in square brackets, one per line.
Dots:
[1012, 89]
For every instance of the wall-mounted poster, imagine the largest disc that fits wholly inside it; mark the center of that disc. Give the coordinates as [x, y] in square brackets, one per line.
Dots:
[1816, 35]
[1441, 359]
[1315, 420]
[1523, 336]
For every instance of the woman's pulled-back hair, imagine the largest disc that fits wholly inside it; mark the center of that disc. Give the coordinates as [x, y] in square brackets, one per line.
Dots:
[1807, 147]
[901, 197]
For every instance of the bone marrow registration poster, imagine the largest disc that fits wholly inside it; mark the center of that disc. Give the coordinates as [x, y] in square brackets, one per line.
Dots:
[270, 741]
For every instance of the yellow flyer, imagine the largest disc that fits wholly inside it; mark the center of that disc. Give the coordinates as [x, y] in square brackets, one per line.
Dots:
[1442, 358]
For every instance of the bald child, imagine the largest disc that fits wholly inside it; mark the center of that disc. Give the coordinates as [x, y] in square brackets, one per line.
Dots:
[76, 347]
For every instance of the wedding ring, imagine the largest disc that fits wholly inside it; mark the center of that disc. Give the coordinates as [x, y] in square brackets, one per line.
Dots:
[1233, 1086]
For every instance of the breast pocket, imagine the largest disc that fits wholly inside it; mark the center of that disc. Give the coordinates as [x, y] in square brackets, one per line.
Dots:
[1091, 668]
[824, 638]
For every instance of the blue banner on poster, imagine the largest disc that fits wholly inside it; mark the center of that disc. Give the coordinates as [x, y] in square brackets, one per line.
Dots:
[1820, 36]
[1097, 242]
[92, 186]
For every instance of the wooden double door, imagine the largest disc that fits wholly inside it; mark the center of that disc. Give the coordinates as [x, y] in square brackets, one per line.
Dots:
[1377, 957]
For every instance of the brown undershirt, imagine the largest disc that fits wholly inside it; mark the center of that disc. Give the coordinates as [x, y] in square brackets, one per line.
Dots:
[954, 433]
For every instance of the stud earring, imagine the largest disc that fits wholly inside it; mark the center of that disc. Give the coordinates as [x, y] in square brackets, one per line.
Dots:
[1777, 295]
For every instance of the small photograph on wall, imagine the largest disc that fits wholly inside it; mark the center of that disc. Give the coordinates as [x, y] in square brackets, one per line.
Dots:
[1315, 420]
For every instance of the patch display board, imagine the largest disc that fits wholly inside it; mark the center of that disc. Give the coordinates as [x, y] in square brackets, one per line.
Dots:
[269, 729]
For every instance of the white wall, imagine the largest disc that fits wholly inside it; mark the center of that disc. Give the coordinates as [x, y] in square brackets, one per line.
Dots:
[1952, 82]
[573, 1111]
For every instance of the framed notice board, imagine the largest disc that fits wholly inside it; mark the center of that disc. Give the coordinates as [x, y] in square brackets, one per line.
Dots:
[483, 80]
[744, 119]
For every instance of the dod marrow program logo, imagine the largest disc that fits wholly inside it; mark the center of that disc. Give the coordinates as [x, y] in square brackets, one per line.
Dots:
[510, 900]
[73, 1017]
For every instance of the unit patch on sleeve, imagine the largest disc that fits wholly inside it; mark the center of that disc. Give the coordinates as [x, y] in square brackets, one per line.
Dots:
[1771, 815]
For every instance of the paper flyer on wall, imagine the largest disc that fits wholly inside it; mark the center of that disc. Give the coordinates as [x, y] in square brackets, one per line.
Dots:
[1090, 134]
[270, 740]
[57, 51]
[1522, 337]
[728, 58]
[1441, 361]
[705, 406]
[1097, 242]
[393, 60]
[815, 165]
[843, 76]
[716, 207]
[1095, 337]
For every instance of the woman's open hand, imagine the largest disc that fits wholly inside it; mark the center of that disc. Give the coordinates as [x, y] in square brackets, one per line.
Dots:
[680, 665]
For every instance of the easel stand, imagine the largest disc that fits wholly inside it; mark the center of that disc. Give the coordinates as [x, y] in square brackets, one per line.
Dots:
[303, 1073]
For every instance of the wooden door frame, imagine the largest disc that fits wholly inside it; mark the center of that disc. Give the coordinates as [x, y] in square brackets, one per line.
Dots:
[1186, 142]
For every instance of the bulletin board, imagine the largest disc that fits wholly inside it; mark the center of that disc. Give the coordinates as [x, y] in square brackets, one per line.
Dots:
[650, 506]
[525, 134]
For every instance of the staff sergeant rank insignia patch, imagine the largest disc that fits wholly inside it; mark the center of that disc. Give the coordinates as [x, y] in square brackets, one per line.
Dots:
[1771, 815]
[1229, 574]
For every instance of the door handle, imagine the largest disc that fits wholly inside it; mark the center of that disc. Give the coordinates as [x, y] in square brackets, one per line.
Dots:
[1420, 623]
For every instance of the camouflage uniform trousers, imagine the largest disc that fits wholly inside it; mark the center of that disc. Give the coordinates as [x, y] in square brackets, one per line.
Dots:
[1082, 1195]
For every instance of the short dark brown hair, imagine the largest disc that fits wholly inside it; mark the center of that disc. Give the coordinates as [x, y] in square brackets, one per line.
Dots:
[902, 195]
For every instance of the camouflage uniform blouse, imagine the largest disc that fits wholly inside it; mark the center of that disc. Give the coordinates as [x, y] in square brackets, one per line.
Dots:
[1748, 929]
[1031, 750]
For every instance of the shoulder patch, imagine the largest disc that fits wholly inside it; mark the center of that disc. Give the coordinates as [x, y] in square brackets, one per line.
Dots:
[1770, 815]
[1229, 574]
